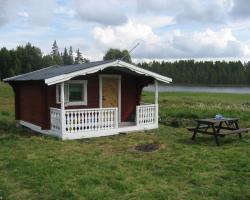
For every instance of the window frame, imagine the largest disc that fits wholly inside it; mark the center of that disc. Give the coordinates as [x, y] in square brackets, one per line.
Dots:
[66, 100]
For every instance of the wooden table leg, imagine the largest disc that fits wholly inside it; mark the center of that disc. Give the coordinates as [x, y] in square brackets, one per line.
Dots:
[215, 135]
[219, 128]
[195, 131]
[237, 127]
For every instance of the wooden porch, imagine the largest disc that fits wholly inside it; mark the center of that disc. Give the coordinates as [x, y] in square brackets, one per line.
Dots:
[96, 122]
[86, 123]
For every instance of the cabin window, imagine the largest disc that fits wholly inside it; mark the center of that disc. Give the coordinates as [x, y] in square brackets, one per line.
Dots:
[75, 93]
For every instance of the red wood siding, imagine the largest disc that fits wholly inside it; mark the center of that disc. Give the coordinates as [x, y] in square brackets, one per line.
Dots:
[34, 98]
[29, 104]
[130, 97]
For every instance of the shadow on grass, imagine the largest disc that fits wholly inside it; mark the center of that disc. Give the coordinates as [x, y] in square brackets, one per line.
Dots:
[210, 141]
[9, 130]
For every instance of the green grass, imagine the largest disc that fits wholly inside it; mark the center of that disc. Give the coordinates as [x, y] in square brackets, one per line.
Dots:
[181, 108]
[33, 166]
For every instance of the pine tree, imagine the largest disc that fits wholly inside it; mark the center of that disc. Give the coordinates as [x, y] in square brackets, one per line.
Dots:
[65, 57]
[55, 51]
[57, 58]
[79, 58]
[71, 58]
[47, 60]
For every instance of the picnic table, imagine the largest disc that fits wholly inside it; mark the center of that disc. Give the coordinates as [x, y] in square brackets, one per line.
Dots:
[217, 127]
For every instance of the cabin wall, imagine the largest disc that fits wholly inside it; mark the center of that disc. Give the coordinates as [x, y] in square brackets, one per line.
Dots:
[33, 99]
[131, 89]
[29, 104]
[93, 97]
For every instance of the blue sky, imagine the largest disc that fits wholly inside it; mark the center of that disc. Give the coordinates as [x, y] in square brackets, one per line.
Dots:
[166, 29]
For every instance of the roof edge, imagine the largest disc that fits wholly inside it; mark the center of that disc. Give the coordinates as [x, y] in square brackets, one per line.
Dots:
[65, 77]
[119, 63]
[13, 77]
[144, 71]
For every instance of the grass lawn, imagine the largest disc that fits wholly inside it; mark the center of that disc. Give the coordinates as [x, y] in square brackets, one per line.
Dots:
[33, 166]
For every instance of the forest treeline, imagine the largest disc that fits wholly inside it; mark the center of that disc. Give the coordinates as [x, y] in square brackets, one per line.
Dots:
[202, 72]
[28, 58]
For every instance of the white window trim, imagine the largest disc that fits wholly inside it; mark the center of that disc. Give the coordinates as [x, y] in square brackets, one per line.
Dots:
[119, 91]
[75, 103]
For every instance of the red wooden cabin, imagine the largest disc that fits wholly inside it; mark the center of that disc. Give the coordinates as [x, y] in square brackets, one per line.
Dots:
[86, 100]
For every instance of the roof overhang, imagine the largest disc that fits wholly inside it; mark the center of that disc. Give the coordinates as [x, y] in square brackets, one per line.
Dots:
[116, 63]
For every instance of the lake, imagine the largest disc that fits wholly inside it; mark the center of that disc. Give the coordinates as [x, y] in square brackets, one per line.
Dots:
[168, 88]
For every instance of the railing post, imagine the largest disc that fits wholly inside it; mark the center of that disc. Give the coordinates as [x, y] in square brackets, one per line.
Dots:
[137, 115]
[156, 92]
[156, 102]
[116, 118]
[63, 122]
[62, 110]
[156, 114]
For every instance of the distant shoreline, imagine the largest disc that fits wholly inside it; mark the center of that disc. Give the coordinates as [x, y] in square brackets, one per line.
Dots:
[200, 89]
[204, 85]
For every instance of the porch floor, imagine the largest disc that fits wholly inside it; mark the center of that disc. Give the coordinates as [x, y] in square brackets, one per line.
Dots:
[126, 124]
[126, 127]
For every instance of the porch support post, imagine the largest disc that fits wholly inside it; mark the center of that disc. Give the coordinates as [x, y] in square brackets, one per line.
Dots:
[116, 118]
[156, 91]
[62, 96]
[62, 111]
[137, 116]
[156, 102]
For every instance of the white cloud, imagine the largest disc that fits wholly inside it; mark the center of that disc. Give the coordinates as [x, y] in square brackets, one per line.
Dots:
[23, 14]
[164, 6]
[208, 44]
[124, 36]
[240, 9]
[174, 44]
[154, 21]
[165, 29]
[213, 11]
[104, 12]
[39, 14]
[6, 9]
[64, 10]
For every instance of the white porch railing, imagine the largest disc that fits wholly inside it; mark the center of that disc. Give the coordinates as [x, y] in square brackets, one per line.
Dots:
[94, 122]
[82, 120]
[79, 120]
[55, 120]
[146, 114]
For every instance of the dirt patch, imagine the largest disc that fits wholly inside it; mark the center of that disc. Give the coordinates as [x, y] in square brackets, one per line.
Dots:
[147, 147]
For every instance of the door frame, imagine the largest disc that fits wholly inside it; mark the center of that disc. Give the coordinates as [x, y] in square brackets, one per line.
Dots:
[101, 76]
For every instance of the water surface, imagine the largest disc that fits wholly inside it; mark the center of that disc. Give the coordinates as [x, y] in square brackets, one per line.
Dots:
[170, 88]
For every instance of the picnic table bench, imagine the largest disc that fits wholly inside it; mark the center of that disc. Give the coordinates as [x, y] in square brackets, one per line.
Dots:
[217, 127]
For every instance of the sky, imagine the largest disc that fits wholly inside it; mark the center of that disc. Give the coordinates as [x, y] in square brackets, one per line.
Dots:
[165, 29]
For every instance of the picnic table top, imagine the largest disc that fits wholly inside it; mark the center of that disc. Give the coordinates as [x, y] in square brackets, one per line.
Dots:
[214, 120]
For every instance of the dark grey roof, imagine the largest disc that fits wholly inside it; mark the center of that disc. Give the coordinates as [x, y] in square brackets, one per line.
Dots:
[55, 70]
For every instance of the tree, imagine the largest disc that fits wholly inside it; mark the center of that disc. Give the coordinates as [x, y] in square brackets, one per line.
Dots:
[29, 58]
[71, 58]
[117, 54]
[79, 58]
[57, 58]
[65, 57]
[47, 60]
[55, 51]
[4, 60]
